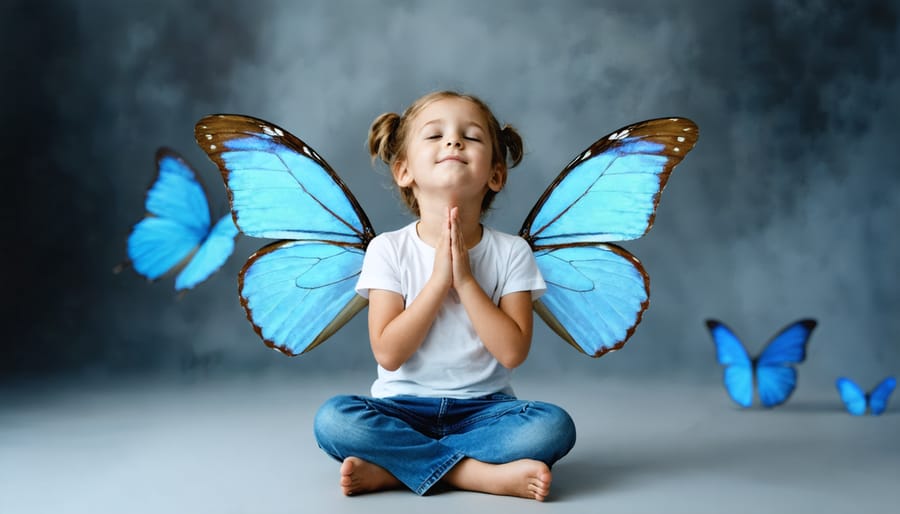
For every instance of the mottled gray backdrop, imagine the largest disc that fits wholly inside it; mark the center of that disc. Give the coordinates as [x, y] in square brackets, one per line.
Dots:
[787, 208]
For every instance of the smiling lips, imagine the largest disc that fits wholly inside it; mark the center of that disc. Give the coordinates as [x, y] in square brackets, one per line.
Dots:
[452, 158]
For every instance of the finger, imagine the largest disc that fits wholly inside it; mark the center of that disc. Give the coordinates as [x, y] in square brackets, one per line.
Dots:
[446, 229]
[452, 228]
[456, 229]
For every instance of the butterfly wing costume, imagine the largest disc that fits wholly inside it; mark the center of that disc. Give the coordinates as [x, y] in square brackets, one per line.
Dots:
[299, 290]
[597, 291]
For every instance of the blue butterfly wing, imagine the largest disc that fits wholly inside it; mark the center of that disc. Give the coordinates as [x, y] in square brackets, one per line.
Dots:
[595, 295]
[730, 352]
[298, 291]
[775, 377]
[775, 384]
[177, 226]
[853, 397]
[297, 294]
[278, 185]
[878, 398]
[789, 345]
[608, 193]
[210, 256]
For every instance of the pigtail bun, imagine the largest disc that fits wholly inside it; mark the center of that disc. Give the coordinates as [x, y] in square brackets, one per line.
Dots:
[383, 137]
[511, 145]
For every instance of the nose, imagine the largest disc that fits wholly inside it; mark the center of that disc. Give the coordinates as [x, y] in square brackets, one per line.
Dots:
[454, 142]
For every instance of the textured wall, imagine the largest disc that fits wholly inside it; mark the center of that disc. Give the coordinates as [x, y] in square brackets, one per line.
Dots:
[786, 208]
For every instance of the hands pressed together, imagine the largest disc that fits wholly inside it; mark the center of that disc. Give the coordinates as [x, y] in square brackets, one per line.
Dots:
[397, 330]
[451, 256]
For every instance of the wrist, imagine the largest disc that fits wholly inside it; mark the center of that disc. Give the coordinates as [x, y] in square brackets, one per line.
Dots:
[438, 284]
[466, 286]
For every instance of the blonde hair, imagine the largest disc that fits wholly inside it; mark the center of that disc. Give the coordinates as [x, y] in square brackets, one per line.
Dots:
[388, 136]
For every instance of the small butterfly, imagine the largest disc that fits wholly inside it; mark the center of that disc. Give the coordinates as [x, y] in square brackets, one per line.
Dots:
[857, 401]
[772, 370]
[299, 290]
[176, 234]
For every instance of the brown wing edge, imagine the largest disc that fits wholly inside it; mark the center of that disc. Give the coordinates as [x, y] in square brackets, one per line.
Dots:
[211, 131]
[357, 304]
[561, 331]
[674, 127]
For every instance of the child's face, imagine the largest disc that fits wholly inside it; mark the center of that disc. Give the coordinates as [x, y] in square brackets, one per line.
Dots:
[449, 153]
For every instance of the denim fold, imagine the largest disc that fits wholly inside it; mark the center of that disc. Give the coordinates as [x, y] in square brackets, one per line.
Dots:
[420, 439]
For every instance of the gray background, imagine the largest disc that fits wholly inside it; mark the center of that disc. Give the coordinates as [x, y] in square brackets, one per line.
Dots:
[117, 395]
[786, 208]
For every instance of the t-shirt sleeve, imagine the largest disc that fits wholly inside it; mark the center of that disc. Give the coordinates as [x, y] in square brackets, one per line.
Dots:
[379, 269]
[523, 273]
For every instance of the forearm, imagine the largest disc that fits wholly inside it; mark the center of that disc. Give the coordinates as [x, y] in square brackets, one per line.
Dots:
[395, 332]
[505, 334]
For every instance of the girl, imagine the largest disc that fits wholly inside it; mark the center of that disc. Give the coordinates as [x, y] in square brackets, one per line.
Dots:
[450, 316]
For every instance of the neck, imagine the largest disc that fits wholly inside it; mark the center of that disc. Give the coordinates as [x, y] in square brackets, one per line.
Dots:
[433, 219]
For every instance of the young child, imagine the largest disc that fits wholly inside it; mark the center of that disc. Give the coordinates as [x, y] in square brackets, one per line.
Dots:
[450, 316]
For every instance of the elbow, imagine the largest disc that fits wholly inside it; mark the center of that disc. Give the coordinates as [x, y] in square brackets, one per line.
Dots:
[511, 363]
[389, 365]
[387, 360]
[514, 359]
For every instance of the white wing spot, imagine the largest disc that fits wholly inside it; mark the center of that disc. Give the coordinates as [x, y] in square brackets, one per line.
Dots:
[619, 135]
[269, 131]
[676, 149]
[680, 139]
[686, 129]
[208, 137]
[212, 147]
[586, 154]
[306, 151]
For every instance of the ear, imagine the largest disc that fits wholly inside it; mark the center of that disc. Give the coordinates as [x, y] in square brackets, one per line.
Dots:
[498, 178]
[401, 173]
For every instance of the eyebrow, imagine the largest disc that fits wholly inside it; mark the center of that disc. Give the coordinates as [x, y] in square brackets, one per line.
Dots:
[441, 120]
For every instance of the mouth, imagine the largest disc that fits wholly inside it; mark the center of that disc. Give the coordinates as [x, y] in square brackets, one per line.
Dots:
[451, 158]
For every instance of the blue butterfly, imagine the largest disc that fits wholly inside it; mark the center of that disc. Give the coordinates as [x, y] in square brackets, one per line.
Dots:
[176, 234]
[299, 290]
[772, 371]
[858, 401]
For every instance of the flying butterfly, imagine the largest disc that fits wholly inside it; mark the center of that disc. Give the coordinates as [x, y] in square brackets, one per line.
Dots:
[176, 235]
[771, 372]
[858, 401]
[299, 290]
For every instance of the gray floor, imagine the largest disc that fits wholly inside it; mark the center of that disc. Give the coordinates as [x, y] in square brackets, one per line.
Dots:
[245, 446]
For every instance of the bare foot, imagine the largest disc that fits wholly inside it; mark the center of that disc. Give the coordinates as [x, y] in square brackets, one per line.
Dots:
[525, 478]
[359, 477]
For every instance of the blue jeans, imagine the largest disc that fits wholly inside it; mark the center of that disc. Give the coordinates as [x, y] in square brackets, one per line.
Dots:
[419, 439]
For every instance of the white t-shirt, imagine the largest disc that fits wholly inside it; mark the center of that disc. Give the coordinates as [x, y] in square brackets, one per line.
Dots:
[452, 362]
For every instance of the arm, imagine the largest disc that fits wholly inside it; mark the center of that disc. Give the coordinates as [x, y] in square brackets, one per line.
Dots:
[396, 332]
[505, 329]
